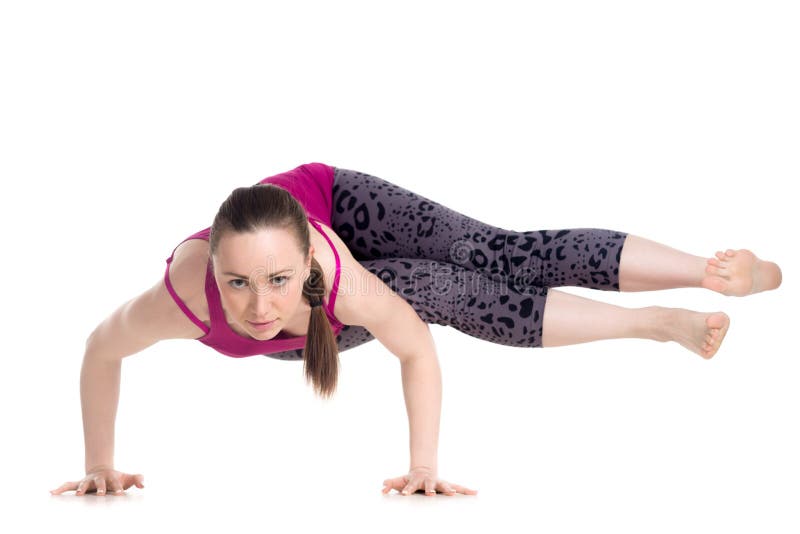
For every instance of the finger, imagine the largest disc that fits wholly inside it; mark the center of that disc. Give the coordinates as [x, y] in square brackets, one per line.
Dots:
[410, 488]
[465, 491]
[101, 485]
[59, 489]
[116, 486]
[81, 489]
[446, 488]
[132, 480]
[430, 486]
[418, 483]
[66, 486]
[396, 483]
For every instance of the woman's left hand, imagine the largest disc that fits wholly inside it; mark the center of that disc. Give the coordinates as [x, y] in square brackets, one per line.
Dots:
[423, 478]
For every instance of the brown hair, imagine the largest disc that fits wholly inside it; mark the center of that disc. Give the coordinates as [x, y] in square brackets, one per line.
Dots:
[267, 206]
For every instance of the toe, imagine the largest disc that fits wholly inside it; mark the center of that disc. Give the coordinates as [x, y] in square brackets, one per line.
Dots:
[716, 320]
[720, 255]
[729, 252]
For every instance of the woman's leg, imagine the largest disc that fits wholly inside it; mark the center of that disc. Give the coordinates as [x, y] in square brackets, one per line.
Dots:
[378, 219]
[382, 222]
[571, 319]
[646, 265]
[445, 294]
[448, 295]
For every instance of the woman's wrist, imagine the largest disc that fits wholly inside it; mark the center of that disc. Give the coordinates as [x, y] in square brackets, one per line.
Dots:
[100, 467]
[423, 468]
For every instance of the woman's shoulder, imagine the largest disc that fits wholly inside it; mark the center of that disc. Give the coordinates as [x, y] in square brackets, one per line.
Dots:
[187, 275]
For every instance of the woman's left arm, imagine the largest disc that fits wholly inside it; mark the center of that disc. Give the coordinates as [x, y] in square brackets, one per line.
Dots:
[422, 389]
[369, 302]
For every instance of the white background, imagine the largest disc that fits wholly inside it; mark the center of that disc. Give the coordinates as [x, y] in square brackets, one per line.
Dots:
[125, 125]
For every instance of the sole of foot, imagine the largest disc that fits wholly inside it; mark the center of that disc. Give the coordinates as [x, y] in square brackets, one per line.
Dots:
[700, 332]
[738, 273]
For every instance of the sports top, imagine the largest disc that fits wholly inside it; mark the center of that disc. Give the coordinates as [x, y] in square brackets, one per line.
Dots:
[311, 184]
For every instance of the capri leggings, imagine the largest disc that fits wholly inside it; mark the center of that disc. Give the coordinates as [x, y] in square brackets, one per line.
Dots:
[487, 282]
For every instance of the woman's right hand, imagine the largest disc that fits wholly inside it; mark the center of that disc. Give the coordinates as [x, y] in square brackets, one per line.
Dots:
[101, 480]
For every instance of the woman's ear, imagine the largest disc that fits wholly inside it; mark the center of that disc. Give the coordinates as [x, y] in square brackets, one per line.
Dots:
[307, 271]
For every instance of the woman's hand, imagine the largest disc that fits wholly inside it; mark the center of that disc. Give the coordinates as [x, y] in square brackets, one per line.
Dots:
[100, 478]
[423, 478]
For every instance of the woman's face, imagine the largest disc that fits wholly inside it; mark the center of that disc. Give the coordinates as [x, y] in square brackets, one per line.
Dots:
[260, 278]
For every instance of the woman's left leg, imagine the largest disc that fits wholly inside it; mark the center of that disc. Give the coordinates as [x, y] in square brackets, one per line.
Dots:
[571, 319]
[448, 295]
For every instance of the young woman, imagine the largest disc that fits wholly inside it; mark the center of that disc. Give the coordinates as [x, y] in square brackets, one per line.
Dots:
[308, 263]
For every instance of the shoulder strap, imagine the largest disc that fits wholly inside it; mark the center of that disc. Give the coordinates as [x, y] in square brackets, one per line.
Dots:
[178, 300]
[332, 299]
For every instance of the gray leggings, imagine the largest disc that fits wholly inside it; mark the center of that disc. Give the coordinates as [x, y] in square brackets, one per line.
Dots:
[456, 271]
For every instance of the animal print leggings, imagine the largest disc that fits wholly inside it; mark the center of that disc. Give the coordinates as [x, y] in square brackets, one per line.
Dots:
[485, 281]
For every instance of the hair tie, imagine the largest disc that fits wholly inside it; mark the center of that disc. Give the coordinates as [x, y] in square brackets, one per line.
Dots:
[316, 302]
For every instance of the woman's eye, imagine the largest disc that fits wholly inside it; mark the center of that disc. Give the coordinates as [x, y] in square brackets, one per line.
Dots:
[233, 282]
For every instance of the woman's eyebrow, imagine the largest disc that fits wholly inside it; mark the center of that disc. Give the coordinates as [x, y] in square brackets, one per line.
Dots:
[246, 277]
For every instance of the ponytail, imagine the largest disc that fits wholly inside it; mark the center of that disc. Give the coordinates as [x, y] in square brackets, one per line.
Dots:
[321, 353]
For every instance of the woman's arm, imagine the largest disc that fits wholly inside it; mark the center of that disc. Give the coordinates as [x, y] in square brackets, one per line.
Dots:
[365, 300]
[100, 379]
[422, 388]
[134, 326]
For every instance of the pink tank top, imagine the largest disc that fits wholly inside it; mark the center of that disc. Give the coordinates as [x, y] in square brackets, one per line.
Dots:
[312, 185]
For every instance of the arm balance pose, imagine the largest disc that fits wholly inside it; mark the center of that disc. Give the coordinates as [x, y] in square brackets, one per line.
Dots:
[287, 252]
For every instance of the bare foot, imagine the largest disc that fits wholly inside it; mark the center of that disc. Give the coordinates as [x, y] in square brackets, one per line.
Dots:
[739, 273]
[700, 332]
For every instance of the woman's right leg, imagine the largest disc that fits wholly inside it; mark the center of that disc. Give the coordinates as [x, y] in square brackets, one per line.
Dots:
[647, 265]
[378, 219]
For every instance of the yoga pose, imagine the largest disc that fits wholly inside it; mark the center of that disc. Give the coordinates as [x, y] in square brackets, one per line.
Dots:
[314, 261]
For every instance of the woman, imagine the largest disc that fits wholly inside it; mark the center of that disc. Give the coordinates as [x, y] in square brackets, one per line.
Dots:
[308, 263]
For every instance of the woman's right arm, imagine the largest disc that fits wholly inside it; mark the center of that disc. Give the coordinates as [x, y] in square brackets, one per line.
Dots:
[134, 326]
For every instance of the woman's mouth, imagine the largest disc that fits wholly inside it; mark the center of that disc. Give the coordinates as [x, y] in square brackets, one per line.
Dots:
[262, 326]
